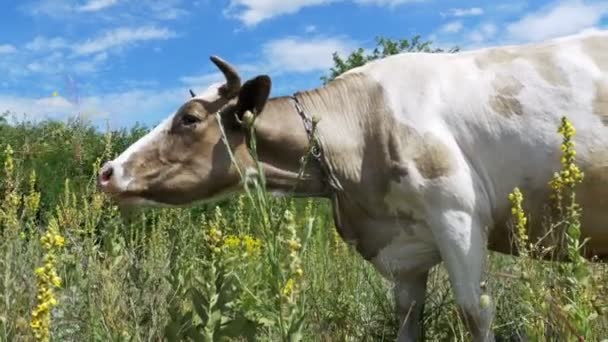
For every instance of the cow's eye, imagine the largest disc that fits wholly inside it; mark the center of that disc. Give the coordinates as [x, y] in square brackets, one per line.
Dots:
[189, 119]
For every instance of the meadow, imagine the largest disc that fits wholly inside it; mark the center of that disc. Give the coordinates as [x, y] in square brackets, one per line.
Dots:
[73, 267]
[253, 267]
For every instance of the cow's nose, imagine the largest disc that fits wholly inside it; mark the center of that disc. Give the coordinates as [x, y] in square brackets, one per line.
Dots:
[106, 172]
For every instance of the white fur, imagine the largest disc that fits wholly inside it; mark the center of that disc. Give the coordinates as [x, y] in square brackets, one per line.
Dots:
[121, 180]
[448, 95]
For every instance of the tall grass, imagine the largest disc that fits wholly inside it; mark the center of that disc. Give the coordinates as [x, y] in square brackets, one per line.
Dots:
[250, 268]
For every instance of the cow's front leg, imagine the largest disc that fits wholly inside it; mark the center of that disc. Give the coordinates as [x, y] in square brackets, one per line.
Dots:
[409, 292]
[460, 239]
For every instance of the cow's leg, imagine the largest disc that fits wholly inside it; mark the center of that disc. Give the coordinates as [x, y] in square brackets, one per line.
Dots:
[409, 292]
[460, 239]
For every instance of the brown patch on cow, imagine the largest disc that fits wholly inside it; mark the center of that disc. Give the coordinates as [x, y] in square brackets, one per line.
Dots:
[597, 49]
[494, 56]
[539, 56]
[506, 102]
[433, 158]
[600, 101]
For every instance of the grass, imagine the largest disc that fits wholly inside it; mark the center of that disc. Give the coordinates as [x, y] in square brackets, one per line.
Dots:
[249, 268]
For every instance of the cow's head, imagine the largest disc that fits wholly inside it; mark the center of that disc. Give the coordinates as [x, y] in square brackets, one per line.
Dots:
[184, 158]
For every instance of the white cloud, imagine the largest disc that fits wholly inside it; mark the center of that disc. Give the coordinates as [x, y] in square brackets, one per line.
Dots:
[45, 44]
[96, 5]
[91, 65]
[301, 55]
[202, 80]
[310, 29]
[390, 3]
[57, 54]
[7, 48]
[134, 11]
[110, 39]
[482, 33]
[463, 12]
[452, 27]
[252, 12]
[163, 9]
[512, 6]
[51, 63]
[51, 8]
[34, 107]
[122, 36]
[120, 108]
[560, 18]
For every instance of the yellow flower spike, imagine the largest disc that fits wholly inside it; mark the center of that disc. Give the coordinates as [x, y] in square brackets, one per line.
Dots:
[47, 279]
[59, 241]
[232, 241]
[288, 288]
[252, 245]
[294, 245]
[56, 281]
[519, 217]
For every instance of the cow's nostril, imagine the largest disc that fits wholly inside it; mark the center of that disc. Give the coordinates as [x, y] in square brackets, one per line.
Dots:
[107, 172]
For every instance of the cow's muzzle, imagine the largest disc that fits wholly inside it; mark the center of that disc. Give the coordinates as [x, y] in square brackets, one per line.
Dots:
[106, 180]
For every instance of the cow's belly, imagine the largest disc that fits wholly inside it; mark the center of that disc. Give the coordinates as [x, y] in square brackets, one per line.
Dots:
[409, 252]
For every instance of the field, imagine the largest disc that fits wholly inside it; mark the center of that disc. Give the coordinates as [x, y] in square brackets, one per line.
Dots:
[73, 267]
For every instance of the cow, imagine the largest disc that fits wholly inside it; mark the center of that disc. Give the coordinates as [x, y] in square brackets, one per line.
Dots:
[417, 153]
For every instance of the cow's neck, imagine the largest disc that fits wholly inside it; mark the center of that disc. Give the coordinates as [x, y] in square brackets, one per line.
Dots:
[352, 126]
[347, 107]
[281, 142]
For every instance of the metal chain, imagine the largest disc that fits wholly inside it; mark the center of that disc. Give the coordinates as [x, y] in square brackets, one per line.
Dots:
[315, 149]
[309, 127]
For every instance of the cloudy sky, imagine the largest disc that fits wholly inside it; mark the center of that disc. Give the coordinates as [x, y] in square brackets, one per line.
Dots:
[127, 61]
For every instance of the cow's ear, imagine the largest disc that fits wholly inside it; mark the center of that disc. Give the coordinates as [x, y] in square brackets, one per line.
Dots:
[253, 96]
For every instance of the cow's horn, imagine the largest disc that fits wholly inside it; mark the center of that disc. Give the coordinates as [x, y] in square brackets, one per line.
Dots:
[192, 93]
[233, 80]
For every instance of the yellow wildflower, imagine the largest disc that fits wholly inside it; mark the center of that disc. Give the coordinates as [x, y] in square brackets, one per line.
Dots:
[291, 288]
[59, 240]
[288, 288]
[56, 281]
[252, 245]
[32, 200]
[517, 211]
[570, 173]
[46, 280]
[294, 245]
[214, 236]
[232, 241]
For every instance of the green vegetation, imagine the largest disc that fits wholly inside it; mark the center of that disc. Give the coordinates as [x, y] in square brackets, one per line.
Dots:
[251, 268]
[384, 47]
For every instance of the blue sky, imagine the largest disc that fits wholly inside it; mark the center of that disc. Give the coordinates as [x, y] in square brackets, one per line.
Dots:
[122, 61]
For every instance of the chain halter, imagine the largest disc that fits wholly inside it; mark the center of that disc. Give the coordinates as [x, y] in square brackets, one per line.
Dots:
[315, 149]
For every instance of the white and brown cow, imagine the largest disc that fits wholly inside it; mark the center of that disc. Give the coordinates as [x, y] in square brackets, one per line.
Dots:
[421, 150]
